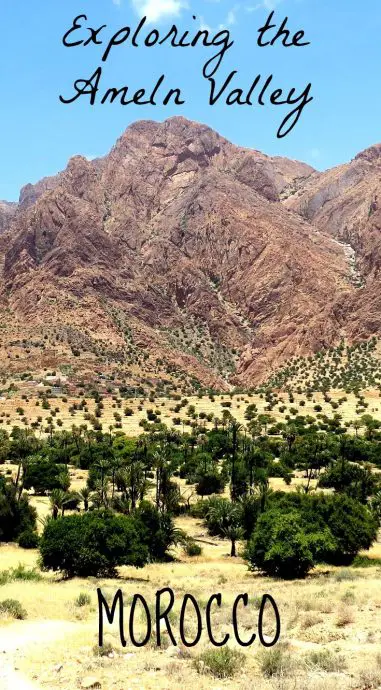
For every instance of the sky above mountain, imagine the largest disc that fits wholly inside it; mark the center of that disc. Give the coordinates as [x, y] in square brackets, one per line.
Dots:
[39, 133]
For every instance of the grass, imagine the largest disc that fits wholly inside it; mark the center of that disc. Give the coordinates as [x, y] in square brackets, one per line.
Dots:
[20, 572]
[366, 562]
[13, 608]
[279, 668]
[220, 663]
[345, 575]
[325, 660]
[276, 661]
[82, 599]
[345, 616]
[131, 423]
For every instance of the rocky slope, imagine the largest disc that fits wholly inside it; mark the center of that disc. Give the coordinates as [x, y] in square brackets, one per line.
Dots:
[346, 203]
[7, 211]
[175, 253]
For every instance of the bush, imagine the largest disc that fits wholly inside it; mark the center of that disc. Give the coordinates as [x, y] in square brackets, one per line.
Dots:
[44, 475]
[280, 547]
[192, 549]
[93, 543]
[28, 539]
[160, 531]
[338, 525]
[13, 608]
[353, 525]
[15, 516]
[82, 599]
[19, 573]
[324, 660]
[211, 483]
[221, 663]
[275, 661]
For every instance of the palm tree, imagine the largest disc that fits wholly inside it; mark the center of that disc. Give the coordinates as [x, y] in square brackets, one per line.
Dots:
[85, 494]
[235, 427]
[103, 465]
[357, 425]
[233, 532]
[58, 500]
[228, 517]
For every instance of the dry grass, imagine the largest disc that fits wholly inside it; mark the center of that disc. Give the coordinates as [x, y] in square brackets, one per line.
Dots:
[130, 424]
[315, 650]
[330, 638]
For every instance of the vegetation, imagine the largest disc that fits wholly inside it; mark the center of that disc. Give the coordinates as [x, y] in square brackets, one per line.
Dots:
[125, 512]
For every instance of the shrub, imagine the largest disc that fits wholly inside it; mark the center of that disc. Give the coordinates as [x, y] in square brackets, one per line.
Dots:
[345, 616]
[192, 549]
[221, 663]
[353, 525]
[28, 539]
[338, 525]
[19, 573]
[105, 650]
[43, 476]
[93, 543]
[13, 608]
[160, 531]
[82, 599]
[280, 547]
[211, 483]
[275, 661]
[15, 516]
[325, 660]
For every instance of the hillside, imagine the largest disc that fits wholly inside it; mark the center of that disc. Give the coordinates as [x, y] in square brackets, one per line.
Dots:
[179, 257]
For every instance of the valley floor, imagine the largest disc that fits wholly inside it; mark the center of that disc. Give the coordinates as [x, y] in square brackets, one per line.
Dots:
[330, 632]
[19, 412]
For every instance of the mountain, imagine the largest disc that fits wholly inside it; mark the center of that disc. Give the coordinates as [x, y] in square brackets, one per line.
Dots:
[346, 203]
[181, 257]
[7, 211]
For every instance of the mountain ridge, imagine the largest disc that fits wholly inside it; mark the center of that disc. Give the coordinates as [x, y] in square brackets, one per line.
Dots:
[205, 251]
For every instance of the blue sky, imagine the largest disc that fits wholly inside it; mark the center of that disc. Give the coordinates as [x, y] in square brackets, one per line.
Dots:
[39, 134]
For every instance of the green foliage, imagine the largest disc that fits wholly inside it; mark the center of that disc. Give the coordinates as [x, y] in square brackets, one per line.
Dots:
[221, 663]
[16, 514]
[366, 562]
[13, 608]
[211, 483]
[83, 599]
[280, 547]
[356, 481]
[44, 476]
[191, 548]
[20, 573]
[28, 539]
[298, 531]
[160, 530]
[93, 544]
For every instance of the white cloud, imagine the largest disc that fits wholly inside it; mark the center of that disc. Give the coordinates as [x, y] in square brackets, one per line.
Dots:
[265, 4]
[231, 18]
[155, 10]
[117, 2]
[204, 26]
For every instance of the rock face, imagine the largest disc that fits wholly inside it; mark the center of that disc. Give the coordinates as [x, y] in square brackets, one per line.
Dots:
[7, 211]
[214, 259]
[346, 203]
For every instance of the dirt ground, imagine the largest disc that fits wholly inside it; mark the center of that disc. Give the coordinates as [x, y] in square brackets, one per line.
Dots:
[10, 416]
[330, 623]
[330, 630]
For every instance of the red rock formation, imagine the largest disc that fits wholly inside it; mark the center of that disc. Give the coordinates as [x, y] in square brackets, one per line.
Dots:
[179, 230]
